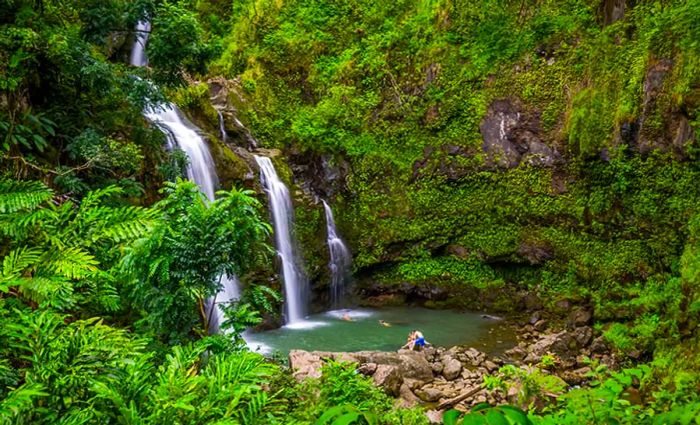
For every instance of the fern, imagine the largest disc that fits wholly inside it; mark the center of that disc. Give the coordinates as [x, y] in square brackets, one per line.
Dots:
[20, 401]
[22, 195]
[15, 263]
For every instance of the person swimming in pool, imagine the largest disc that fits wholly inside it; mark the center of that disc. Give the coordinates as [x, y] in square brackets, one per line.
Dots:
[385, 323]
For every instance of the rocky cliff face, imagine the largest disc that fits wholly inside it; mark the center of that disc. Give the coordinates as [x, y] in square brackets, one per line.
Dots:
[465, 171]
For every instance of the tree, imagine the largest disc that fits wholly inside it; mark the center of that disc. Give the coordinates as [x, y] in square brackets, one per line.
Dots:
[179, 265]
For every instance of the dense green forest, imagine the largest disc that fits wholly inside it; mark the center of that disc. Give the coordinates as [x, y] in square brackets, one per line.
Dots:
[526, 158]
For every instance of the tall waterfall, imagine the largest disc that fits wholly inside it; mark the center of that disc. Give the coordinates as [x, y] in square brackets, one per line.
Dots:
[200, 169]
[340, 261]
[295, 285]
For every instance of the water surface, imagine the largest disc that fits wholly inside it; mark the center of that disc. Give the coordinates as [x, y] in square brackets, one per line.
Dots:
[329, 332]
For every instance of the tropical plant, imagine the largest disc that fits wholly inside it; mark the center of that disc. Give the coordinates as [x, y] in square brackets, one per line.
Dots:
[178, 266]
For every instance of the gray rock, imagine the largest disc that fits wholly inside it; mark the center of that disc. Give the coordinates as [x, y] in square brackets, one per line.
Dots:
[415, 366]
[434, 416]
[389, 378]
[408, 398]
[437, 368]
[490, 366]
[451, 368]
[541, 325]
[583, 335]
[512, 135]
[305, 364]
[429, 394]
[580, 317]
[367, 368]
[562, 344]
[598, 346]
[516, 353]
[474, 356]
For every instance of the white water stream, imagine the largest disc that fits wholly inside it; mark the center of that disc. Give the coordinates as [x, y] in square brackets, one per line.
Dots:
[295, 284]
[200, 168]
[340, 261]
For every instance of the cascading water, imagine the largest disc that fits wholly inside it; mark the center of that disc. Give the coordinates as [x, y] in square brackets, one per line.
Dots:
[295, 285]
[183, 134]
[340, 261]
[138, 52]
[200, 169]
[222, 128]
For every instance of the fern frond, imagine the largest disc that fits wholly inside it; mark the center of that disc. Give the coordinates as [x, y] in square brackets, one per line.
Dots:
[19, 401]
[53, 291]
[95, 197]
[72, 262]
[22, 195]
[15, 263]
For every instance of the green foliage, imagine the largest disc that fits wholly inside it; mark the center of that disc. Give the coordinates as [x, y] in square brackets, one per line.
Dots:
[63, 261]
[348, 414]
[177, 46]
[180, 263]
[342, 396]
[62, 254]
[607, 401]
[488, 415]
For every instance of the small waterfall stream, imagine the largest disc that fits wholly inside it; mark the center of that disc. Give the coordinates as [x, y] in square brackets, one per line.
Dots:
[222, 127]
[200, 169]
[340, 261]
[295, 285]
[138, 51]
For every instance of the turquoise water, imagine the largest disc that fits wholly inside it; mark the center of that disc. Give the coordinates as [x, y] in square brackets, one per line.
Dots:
[329, 332]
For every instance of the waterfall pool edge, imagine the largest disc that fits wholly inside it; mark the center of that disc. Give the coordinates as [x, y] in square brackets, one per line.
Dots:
[331, 331]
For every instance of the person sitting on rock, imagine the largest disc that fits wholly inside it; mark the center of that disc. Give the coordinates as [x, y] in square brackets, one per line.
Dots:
[419, 340]
[415, 339]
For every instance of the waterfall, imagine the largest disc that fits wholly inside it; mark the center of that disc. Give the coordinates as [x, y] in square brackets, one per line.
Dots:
[183, 134]
[200, 168]
[222, 128]
[138, 52]
[340, 260]
[282, 218]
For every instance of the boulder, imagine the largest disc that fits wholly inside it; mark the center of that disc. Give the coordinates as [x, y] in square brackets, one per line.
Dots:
[512, 135]
[598, 346]
[389, 378]
[414, 366]
[367, 369]
[576, 376]
[451, 368]
[580, 317]
[305, 364]
[434, 416]
[541, 325]
[408, 398]
[516, 353]
[490, 366]
[474, 356]
[429, 394]
[583, 335]
[561, 344]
